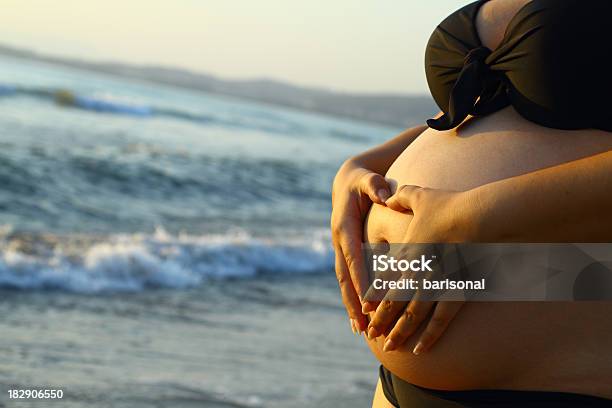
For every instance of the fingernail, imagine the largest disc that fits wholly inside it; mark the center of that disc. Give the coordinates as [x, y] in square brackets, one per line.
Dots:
[372, 333]
[355, 325]
[389, 345]
[383, 195]
[418, 348]
[357, 328]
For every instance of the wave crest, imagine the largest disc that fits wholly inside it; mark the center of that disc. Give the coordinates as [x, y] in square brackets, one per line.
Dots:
[136, 262]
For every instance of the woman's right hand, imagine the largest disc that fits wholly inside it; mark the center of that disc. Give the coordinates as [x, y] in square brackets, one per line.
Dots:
[354, 190]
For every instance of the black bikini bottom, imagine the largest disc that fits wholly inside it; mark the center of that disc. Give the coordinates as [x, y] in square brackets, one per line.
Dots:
[402, 394]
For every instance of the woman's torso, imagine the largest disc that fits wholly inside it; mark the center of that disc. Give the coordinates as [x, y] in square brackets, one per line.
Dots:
[542, 346]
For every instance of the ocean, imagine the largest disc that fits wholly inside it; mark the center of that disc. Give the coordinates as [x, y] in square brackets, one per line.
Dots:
[161, 247]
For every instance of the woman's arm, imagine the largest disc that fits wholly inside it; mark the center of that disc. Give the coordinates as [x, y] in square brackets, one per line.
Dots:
[358, 183]
[570, 202]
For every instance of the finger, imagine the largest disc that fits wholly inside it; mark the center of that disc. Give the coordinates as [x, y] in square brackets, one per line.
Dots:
[408, 323]
[386, 314]
[407, 252]
[350, 245]
[375, 187]
[347, 238]
[349, 296]
[406, 197]
[443, 314]
[370, 302]
[369, 305]
[393, 303]
[375, 296]
[377, 292]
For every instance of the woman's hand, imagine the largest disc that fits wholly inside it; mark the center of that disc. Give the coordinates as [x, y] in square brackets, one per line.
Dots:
[439, 216]
[354, 190]
[358, 183]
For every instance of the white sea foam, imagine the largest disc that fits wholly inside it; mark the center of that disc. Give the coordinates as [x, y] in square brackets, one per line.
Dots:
[135, 262]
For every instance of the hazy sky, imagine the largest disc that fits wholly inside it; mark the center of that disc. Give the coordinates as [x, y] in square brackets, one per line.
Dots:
[353, 45]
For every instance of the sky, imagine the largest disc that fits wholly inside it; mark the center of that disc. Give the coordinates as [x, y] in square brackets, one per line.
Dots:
[346, 45]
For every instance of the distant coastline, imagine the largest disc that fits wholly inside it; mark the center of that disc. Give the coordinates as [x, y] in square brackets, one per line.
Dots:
[392, 110]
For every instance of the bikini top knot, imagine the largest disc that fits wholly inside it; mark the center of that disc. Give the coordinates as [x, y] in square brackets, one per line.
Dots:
[478, 55]
[468, 88]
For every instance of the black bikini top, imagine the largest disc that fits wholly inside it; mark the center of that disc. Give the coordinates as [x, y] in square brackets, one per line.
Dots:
[554, 66]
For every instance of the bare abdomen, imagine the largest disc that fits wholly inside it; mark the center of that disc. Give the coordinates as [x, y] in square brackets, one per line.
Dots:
[542, 346]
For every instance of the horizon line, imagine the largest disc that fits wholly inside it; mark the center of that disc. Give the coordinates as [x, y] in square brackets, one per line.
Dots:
[4, 46]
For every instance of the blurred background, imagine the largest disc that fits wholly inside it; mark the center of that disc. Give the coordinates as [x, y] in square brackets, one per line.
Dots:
[165, 175]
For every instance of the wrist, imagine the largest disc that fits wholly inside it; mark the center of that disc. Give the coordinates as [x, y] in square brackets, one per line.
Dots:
[473, 212]
[486, 214]
[348, 177]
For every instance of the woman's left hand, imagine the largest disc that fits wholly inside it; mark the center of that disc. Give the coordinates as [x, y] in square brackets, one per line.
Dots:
[439, 216]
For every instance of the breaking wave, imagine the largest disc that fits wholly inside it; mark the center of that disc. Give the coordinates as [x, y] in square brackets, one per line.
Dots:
[136, 262]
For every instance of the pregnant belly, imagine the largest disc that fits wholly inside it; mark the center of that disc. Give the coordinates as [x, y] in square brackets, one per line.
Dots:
[528, 345]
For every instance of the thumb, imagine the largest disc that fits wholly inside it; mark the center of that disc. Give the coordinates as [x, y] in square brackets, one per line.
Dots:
[406, 198]
[374, 186]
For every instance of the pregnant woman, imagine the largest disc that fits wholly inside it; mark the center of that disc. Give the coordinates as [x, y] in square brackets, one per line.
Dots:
[521, 152]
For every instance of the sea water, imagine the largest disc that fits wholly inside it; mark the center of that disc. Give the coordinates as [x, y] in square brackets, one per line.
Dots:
[165, 247]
